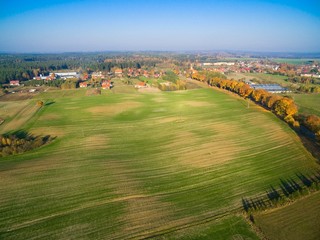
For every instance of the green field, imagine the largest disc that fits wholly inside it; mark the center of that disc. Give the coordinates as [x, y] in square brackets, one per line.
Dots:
[293, 221]
[131, 165]
[307, 103]
[263, 77]
[294, 61]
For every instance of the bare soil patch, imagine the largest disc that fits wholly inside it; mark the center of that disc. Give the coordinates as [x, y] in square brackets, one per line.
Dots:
[273, 131]
[9, 109]
[49, 117]
[21, 118]
[192, 151]
[170, 120]
[16, 96]
[96, 142]
[52, 131]
[114, 109]
[143, 213]
[197, 103]
[149, 90]
[160, 99]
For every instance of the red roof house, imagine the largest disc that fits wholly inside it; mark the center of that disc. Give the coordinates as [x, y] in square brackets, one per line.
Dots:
[83, 84]
[14, 83]
[106, 84]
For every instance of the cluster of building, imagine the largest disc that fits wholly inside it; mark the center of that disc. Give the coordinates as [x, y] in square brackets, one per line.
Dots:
[272, 88]
[105, 84]
[261, 66]
[61, 75]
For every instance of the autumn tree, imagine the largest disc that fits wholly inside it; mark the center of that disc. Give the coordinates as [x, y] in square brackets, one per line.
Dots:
[257, 94]
[271, 99]
[245, 91]
[313, 123]
[39, 103]
[285, 107]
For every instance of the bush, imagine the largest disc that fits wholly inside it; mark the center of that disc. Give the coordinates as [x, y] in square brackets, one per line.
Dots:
[20, 142]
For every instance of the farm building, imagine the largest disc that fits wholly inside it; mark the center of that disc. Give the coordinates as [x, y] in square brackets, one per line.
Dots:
[96, 75]
[272, 88]
[118, 72]
[106, 84]
[140, 85]
[14, 83]
[41, 77]
[83, 84]
[65, 75]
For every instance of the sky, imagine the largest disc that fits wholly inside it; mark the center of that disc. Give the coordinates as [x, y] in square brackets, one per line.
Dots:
[168, 25]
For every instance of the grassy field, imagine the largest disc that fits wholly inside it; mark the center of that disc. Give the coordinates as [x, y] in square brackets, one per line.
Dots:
[127, 165]
[299, 220]
[307, 103]
[294, 61]
[264, 77]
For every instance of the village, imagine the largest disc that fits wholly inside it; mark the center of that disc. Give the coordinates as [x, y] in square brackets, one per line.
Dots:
[153, 71]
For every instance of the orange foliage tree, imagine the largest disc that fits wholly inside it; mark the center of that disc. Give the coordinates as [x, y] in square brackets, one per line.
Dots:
[285, 107]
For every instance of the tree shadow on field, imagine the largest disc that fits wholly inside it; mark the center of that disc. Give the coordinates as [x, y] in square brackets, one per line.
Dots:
[49, 103]
[288, 188]
[309, 180]
[273, 194]
[246, 204]
[22, 134]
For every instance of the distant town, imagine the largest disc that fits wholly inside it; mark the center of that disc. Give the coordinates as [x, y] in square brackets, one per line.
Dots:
[98, 70]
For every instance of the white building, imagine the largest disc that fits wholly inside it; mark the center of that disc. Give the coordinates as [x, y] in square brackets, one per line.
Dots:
[223, 63]
[65, 75]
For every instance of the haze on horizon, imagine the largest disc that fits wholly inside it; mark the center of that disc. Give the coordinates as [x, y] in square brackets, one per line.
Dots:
[83, 25]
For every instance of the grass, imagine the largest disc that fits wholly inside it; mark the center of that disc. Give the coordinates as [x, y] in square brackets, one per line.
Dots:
[299, 220]
[263, 77]
[231, 227]
[131, 165]
[294, 61]
[307, 103]
[16, 114]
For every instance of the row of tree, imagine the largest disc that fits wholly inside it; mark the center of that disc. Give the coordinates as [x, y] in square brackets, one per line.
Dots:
[284, 107]
[19, 143]
[25, 67]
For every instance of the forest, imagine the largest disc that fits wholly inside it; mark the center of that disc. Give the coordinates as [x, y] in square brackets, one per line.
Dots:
[25, 67]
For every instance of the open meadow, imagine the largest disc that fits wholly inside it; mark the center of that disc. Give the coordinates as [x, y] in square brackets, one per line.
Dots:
[307, 103]
[263, 77]
[131, 165]
[293, 221]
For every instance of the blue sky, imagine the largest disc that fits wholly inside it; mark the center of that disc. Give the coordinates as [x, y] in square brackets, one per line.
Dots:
[83, 25]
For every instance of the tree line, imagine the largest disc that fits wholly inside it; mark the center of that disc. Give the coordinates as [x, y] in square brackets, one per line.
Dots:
[20, 142]
[25, 67]
[283, 107]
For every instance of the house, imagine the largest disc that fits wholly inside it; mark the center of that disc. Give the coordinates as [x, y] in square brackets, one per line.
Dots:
[118, 71]
[47, 78]
[97, 75]
[106, 84]
[140, 85]
[85, 76]
[145, 74]
[83, 84]
[14, 83]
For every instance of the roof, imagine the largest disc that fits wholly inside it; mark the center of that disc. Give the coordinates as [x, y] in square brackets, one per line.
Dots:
[270, 87]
